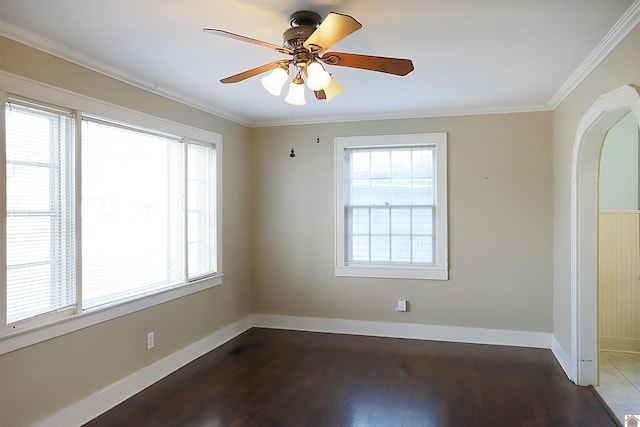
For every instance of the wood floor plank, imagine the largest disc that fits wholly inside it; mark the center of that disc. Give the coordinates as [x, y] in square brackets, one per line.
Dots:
[269, 377]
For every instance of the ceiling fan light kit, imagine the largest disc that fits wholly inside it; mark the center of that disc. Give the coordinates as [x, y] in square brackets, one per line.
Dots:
[296, 91]
[276, 79]
[307, 41]
[317, 76]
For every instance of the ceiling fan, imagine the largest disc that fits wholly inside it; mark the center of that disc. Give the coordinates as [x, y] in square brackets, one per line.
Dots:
[307, 42]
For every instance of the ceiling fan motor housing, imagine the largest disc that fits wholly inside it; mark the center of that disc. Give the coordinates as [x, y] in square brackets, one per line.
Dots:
[305, 18]
[303, 24]
[295, 37]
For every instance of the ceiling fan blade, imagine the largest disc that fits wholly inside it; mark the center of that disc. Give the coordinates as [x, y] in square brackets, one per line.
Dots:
[321, 95]
[334, 28]
[397, 66]
[252, 72]
[234, 36]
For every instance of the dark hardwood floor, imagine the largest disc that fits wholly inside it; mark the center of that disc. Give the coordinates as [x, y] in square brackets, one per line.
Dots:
[274, 378]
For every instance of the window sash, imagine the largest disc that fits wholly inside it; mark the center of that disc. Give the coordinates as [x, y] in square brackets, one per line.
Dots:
[410, 242]
[201, 211]
[40, 210]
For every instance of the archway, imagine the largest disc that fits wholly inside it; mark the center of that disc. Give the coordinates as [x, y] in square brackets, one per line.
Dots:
[595, 124]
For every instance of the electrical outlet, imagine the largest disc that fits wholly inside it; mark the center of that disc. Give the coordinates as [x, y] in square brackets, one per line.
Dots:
[150, 341]
[402, 305]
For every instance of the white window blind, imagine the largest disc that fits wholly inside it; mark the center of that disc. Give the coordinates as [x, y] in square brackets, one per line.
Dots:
[132, 212]
[40, 221]
[201, 205]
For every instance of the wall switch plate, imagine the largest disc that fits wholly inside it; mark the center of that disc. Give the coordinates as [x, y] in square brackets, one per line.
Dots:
[150, 341]
[402, 305]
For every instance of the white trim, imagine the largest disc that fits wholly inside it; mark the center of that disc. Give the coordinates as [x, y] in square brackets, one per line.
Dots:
[405, 330]
[91, 406]
[585, 168]
[562, 356]
[619, 31]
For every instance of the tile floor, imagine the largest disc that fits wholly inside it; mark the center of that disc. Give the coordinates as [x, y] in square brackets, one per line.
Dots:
[620, 382]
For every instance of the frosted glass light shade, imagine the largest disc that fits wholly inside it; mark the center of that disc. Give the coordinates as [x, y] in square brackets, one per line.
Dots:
[332, 90]
[296, 91]
[317, 76]
[275, 80]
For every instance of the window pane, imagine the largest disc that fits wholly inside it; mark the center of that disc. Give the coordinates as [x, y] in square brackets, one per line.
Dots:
[401, 191]
[40, 211]
[380, 221]
[380, 164]
[380, 248]
[132, 233]
[422, 221]
[360, 249]
[360, 165]
[31, 240]
[31, 186]
[401, 221]
[360, 192]
[401, 249]
[381, 192]
[201, 207]
[359, 221]
[423, 250]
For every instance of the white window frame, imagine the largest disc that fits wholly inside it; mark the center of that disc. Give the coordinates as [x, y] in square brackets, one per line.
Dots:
[31, 333]
[440, 269]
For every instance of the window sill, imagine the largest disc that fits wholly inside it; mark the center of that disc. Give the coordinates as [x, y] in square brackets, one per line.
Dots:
[392, 272]
[18, 339]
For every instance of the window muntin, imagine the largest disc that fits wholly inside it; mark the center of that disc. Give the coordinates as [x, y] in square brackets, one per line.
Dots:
[391, 218]
[40, 234]
[58, 180]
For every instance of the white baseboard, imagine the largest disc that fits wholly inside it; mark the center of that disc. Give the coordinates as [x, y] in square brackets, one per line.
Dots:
[90, 407]
[562, 357]
[406, 330]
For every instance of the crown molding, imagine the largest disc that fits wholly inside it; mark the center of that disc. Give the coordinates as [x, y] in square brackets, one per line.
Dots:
[426, 114]
[619, 31]
[35, 41]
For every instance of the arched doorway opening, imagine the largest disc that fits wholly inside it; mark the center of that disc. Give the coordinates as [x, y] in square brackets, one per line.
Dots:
[593, 128]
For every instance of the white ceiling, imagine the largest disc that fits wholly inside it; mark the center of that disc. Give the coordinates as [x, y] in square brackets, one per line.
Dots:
[470, 56]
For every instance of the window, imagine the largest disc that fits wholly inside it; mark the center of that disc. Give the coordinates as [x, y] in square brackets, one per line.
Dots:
[391, 206]
[147, 222]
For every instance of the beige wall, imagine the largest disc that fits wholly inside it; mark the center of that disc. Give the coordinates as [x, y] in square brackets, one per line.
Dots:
[621, 67]
[46, 377]
[500, 222]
